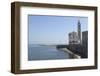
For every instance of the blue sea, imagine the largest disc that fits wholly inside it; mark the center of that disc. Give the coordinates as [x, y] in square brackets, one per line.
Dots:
[45, 52]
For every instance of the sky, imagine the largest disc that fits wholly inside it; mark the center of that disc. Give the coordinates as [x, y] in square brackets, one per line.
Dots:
[53, 29]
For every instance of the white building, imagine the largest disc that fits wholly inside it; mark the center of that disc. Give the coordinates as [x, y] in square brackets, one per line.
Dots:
[73, 38]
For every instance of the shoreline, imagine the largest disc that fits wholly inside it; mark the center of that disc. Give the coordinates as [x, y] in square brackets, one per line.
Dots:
[67, 50]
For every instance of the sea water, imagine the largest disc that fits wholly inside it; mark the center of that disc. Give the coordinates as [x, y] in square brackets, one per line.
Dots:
[46, 52]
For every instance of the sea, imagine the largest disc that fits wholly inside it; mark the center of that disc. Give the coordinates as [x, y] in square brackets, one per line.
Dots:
[46, 52]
